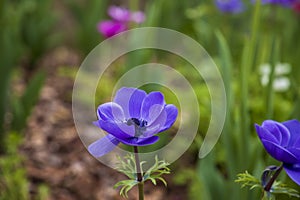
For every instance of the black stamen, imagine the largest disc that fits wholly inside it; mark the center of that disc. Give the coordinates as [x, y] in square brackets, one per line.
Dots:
[136, 121]
[144, 123]
[140, 125]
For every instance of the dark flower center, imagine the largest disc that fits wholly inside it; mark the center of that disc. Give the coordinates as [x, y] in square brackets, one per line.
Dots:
[139, 125]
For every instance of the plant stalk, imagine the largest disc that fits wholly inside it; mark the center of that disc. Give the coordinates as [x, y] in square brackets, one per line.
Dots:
[141, 190]
[139, 173]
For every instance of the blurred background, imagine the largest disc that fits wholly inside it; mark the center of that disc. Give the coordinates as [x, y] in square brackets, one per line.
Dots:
[43, 43]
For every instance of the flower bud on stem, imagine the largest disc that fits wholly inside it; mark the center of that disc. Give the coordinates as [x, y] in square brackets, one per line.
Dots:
[272, 180]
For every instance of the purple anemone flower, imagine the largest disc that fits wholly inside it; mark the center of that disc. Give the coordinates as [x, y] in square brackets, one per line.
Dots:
[133, 118]
[282, 142]
[230, 6]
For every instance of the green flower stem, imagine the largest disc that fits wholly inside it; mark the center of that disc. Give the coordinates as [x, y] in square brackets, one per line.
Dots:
[138, 166]
[139, 173]
[141, 190]
[272, 180]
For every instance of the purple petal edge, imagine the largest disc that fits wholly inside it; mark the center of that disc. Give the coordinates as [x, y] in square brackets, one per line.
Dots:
[293, 171]
[103, 146]
[279, 153]
[140, 141]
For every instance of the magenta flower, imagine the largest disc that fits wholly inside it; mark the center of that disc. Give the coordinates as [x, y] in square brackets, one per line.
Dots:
[282, 142]
[119, 14]
[120, 19]
[230, 6]
[110, 28]
[133, 118]
[137, 17]
[296, 7]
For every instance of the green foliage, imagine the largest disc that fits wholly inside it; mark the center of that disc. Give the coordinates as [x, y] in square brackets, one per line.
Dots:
[36, 25]
[281, 188]
[87, 15]
[247, 180]
[125, 185]
[23, 105]
[23, 29]
[159, 168]
[162, 14]
[188, 175]
[239, 148]
[13, 177]
[9, 55]
[128, 167]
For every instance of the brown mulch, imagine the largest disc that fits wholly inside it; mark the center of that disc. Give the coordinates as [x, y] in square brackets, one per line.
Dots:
[55, 155]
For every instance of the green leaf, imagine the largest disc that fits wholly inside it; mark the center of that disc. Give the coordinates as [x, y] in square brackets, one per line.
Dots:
[32, 92]
[126, 185]
[280, 188]
[156, 171]
[128, 167]
[247, 180]
[211, 177]
[23, 106]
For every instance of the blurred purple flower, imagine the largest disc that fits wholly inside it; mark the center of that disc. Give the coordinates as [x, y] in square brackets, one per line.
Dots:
[282, 142]
[230, 6]
[133, 118]
[285, 3]
[119, 14]
[296, 6]
[110, 28]
[120, 19]
[137, 17]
